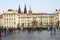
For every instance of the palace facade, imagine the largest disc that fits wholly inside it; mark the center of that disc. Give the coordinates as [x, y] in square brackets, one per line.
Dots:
[14, 19]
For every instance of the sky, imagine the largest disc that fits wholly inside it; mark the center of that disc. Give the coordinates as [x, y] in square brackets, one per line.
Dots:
[46, 6]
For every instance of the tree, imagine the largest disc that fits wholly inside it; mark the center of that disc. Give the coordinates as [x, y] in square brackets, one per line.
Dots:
[35, 23]
[22, 25]
[18, 25]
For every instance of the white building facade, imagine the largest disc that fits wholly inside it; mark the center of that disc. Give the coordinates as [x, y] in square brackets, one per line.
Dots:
[12, 18]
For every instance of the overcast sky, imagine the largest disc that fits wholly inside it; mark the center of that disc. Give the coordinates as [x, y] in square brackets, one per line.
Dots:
[47, 6]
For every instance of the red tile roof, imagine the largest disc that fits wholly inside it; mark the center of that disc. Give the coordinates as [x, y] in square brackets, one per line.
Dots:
[38, 13]
[1, 16]
[33, 14]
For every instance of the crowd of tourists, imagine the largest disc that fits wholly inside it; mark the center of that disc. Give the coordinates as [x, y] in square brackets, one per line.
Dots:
[4, 31]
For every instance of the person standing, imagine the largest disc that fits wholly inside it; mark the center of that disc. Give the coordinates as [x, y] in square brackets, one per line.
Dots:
[51, 29]
[54, 30]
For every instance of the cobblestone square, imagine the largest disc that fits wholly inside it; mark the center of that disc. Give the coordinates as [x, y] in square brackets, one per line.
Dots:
[43, 35]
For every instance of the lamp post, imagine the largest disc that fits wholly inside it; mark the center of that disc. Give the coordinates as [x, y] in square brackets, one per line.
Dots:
[22, 25]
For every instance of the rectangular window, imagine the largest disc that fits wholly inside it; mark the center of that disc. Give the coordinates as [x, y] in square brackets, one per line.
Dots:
[9, 15]
[14, 23]
[14, 15]
[9, 18]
